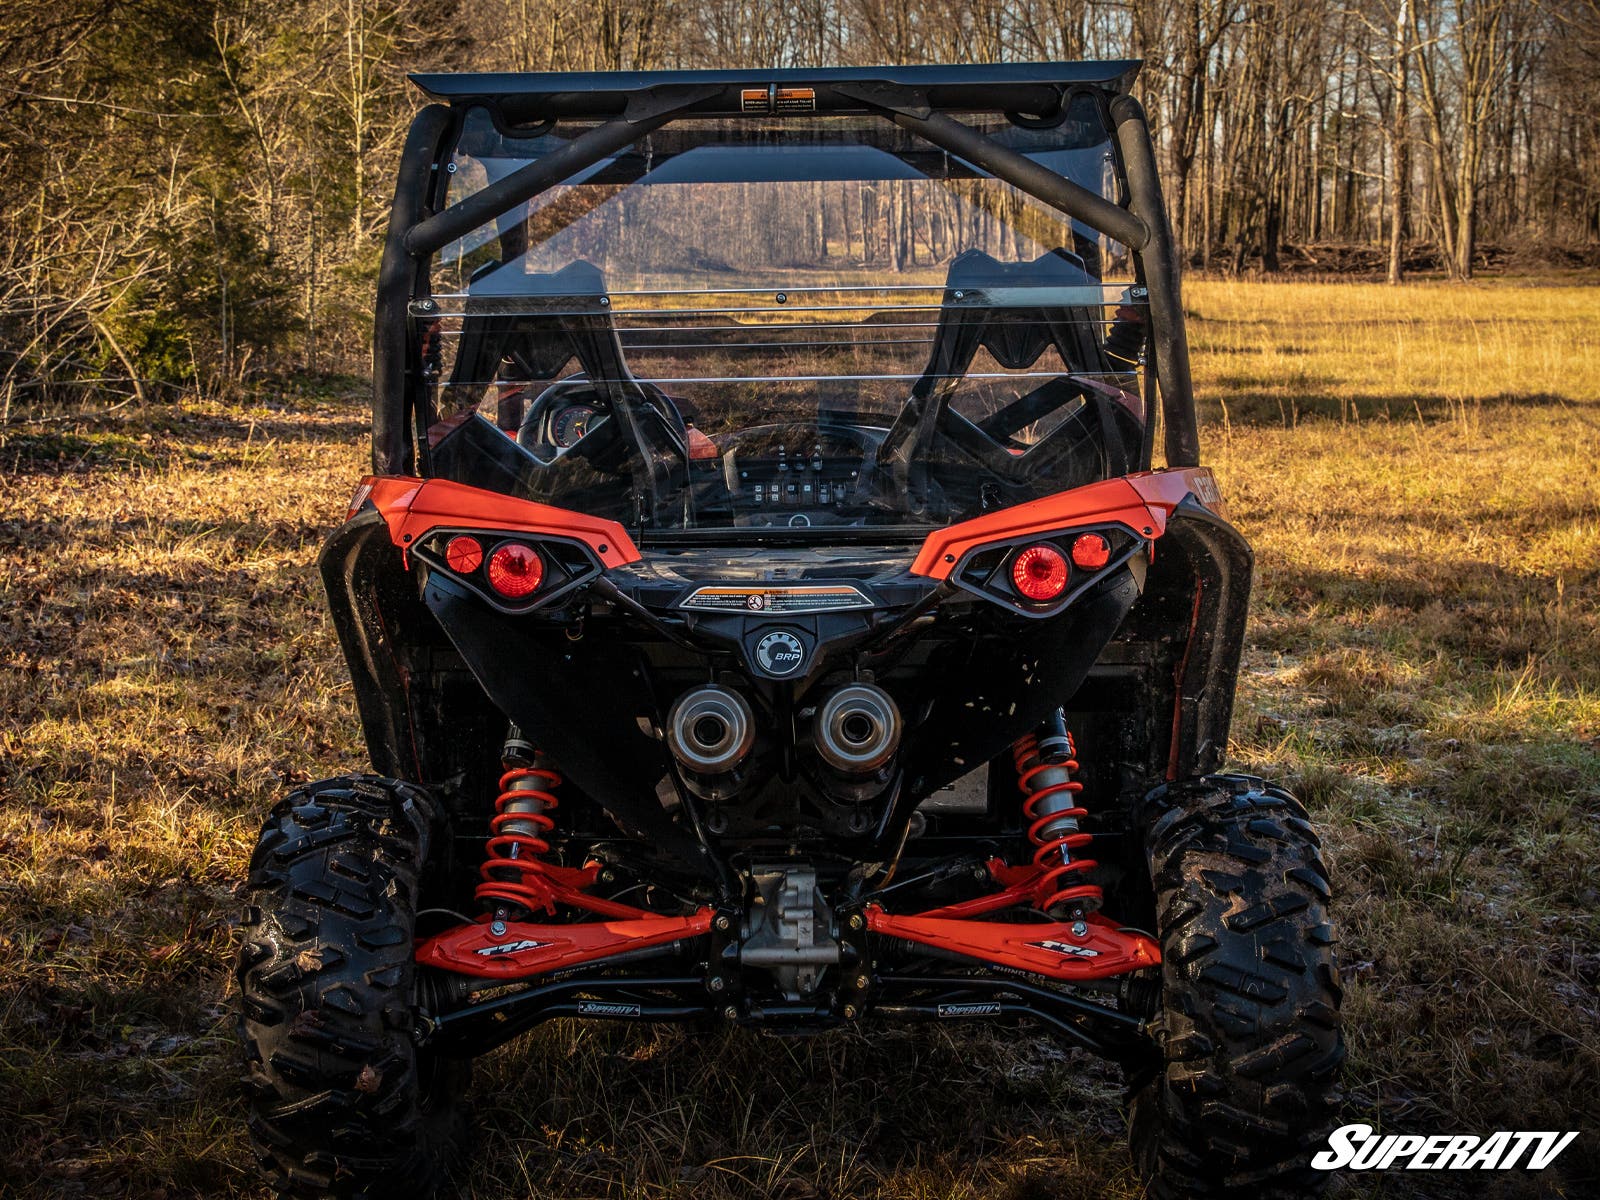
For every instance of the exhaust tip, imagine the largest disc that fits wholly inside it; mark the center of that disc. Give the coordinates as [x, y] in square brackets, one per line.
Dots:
[710, 730]
[857, 729]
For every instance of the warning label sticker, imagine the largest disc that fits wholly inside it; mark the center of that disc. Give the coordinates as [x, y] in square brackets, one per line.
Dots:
[778, 100]
[815, 598]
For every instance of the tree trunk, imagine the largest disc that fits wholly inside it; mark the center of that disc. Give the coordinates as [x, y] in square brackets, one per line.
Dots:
[1466, 216]
[1438, 145]
[1400, 147]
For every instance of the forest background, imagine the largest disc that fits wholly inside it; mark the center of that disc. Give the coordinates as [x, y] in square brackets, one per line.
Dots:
[194, 201]
[195, 193]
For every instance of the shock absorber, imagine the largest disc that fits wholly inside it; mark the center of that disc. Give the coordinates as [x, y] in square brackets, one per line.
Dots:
[1045, 762]
[514, 870]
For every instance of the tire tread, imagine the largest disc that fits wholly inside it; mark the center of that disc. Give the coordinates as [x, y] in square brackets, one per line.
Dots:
[341, 1106]
[1251, 994]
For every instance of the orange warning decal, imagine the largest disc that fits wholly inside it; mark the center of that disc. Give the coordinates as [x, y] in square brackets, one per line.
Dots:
[778, 100]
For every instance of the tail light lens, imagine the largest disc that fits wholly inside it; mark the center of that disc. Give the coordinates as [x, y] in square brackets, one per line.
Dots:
[1090, 552]
[1039, 573]
[362, 495]
[515, 570]
[463, 555]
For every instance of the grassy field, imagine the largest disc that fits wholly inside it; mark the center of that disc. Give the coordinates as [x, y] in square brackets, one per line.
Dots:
[1416, 470]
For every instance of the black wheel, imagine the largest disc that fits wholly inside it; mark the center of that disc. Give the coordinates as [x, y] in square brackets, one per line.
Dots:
[1249, 1017]
[342, 1103]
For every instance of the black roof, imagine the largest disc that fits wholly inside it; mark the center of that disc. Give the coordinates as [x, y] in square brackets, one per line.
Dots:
[981, 87]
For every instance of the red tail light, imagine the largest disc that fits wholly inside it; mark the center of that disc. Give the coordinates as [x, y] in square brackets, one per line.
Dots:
[1039, 573]
[463, 555]
[515, 570]
[1090, 551]
[363, 493]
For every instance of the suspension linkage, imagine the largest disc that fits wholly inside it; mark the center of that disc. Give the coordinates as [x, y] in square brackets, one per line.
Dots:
[492, 1022]
[1095, 1027]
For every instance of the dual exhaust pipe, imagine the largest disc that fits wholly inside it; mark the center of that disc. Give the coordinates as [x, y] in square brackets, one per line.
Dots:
[857, 730]
[710, 730]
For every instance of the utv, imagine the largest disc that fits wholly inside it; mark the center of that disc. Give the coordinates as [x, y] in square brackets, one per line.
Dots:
[764, 611]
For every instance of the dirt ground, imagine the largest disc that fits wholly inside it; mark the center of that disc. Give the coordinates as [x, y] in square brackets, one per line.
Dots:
[1416, 470]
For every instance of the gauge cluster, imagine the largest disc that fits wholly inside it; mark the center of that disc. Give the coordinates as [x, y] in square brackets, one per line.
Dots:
[568, 425]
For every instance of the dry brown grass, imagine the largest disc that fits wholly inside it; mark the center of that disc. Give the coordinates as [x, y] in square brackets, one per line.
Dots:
[1415, 468]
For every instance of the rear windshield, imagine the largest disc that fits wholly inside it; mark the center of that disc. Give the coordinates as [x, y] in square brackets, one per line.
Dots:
[776, 324]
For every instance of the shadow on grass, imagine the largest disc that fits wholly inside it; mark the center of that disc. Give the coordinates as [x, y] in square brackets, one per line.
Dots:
[1479, 619]
[724, 1114]
[160, 438]
[136, 535]
[1404, 580]
[1251, 403]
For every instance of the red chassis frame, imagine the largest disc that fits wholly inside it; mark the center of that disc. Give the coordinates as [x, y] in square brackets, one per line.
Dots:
[1092, 948]
[1089, 948]
[1068, 951]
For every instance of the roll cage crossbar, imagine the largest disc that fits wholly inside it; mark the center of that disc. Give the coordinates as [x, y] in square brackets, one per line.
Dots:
[633, 104]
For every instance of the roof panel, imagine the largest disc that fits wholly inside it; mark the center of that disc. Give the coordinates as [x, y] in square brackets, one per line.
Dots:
[980, 86]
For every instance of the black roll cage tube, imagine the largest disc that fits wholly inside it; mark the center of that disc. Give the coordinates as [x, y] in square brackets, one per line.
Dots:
[417, 232]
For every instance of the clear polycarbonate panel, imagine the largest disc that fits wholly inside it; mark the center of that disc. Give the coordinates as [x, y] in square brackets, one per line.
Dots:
[769, 324]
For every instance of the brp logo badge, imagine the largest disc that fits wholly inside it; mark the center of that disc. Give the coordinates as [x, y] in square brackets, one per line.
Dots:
[780, 653]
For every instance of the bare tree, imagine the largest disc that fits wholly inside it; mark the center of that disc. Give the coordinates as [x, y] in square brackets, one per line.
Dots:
[199, 187]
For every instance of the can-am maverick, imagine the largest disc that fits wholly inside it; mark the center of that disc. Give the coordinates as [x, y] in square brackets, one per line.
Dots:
[764, 610]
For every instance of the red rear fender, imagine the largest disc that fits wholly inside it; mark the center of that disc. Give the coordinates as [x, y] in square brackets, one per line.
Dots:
[413, 506]
[1142, 502]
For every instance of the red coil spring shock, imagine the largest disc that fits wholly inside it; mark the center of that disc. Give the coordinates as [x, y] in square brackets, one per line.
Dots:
[1044, 774]
[514, 871]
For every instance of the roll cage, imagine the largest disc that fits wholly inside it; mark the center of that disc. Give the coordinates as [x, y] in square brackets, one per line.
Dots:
[625, 107]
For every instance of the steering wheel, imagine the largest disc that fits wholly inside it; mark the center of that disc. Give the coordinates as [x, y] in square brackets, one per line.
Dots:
[533, 417]
[528, 431]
